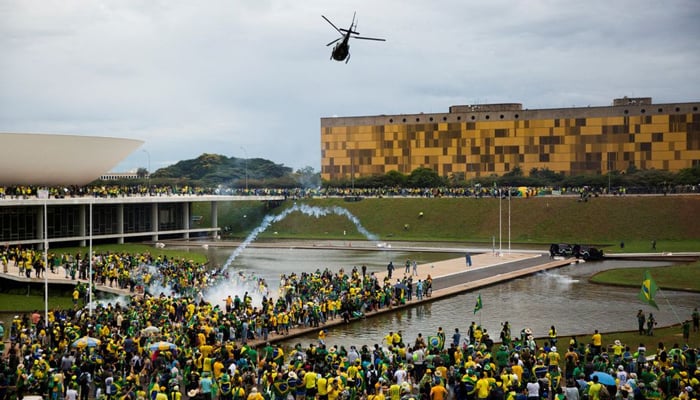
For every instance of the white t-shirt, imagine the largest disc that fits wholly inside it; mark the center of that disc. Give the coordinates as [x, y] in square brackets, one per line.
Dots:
[533, 389]
[71, 394]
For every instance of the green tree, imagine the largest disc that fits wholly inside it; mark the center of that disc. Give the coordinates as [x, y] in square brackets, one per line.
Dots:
[424, 177]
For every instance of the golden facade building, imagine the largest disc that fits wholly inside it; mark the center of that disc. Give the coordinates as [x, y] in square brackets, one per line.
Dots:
[486, 139]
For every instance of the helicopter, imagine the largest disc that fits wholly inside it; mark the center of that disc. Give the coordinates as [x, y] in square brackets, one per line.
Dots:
[341, 51]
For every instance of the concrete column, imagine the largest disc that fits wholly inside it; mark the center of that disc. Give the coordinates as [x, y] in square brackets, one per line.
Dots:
[120, 223]
[82, 232]
[154, 221]
[214, 217]
[186, 219]
[40, 225]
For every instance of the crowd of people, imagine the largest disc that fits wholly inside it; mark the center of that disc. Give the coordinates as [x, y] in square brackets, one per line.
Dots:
[171, 343]
[475, 191]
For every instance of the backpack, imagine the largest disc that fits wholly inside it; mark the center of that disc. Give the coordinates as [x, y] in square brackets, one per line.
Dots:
[83, 378]
[372, 377]
[604, 394]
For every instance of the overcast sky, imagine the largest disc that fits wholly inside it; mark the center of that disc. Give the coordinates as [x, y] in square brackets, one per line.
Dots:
[253, 78]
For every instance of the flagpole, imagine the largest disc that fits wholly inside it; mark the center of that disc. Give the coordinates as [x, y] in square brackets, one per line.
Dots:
[500, 223]
[509, 190]
[46, 279]
[90, 264]
[669, 304]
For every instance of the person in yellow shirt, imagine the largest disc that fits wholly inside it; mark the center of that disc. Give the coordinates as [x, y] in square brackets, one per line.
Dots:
[162, 394]
[438, 392]
[310, 379]
[594, 389]
[254, 394]
[553, 357]
[322, 387]
[379, 395]
[334, 389]
[483, 386]
[218, 368]
[596, 343]
[394, 390]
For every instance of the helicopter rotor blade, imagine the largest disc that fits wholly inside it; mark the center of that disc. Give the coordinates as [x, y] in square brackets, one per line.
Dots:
[333, 25]
[333, 42]
[344, 31]
[368, 38]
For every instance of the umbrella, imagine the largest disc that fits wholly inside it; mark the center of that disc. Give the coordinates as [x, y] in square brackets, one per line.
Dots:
[162, 346]
[400, 286]
[150, 330]
[86, 341]
[603, 378]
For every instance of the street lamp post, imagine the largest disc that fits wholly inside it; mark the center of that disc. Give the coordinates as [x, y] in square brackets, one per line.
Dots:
[246, 167]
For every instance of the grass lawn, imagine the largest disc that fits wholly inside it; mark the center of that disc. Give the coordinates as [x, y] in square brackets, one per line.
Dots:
[24, 303]
[134, 248]
[675, 277]
[603, 222]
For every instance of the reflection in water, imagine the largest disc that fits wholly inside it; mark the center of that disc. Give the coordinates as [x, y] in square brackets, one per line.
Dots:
[562, 298]
[270, 263]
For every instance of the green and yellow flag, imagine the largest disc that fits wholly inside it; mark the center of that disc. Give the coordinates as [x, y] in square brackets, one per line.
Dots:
[648, 291]
[479, 305]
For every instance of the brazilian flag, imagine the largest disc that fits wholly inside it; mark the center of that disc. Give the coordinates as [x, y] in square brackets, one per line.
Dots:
[280, 387]
[277, 355]
[479, 305]
[648, 291]
[436, 342]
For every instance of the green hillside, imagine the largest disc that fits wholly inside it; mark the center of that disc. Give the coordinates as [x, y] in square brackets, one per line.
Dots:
[671, 221]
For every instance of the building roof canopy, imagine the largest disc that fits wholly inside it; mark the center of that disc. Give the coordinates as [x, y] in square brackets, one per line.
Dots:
[50, 159]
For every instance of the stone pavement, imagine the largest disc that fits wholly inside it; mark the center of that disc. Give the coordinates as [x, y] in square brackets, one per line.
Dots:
[57, 278]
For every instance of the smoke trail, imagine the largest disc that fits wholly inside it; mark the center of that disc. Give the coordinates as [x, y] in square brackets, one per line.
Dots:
[239, 282]
[312, 211]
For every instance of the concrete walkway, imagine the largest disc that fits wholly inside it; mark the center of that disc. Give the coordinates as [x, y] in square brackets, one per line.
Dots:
[453, 274]
[58, 278]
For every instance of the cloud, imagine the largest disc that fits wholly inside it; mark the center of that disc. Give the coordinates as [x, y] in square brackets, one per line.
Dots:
[222, 76]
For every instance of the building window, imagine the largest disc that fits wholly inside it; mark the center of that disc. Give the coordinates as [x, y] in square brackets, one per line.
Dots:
[431, 119]
[517, 116]
[404, 120]
[501, 116]
[487, 117]
[660, 110]
[391, 120]
[473, 118]
[643, 111]
[626, 112]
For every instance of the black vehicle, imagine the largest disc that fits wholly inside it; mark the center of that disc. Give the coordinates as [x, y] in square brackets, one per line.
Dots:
[589, 253]
[561, 250]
